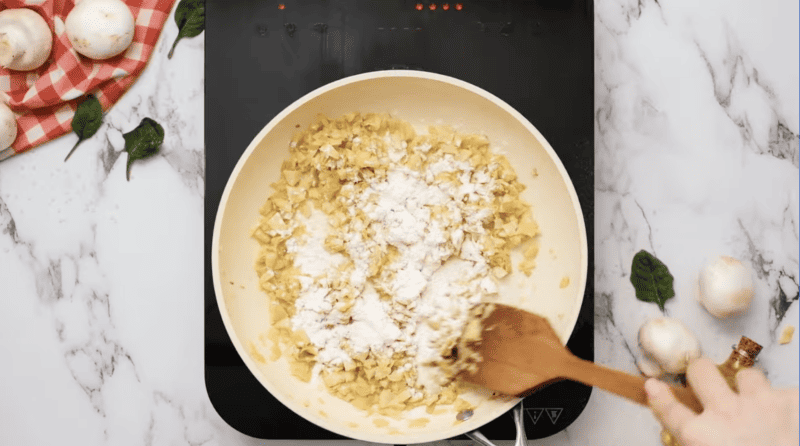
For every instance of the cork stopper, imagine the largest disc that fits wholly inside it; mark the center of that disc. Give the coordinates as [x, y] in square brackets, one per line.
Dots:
[748, 349]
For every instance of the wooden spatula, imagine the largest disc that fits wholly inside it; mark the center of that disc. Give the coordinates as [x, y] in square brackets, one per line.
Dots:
[522, 353]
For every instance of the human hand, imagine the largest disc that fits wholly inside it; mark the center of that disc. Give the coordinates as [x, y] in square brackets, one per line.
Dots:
[757, 416]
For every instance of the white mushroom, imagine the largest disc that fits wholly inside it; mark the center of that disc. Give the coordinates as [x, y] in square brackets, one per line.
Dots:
[8, 127]
[100, 29]
[25, 39]
[726, 287]
[668, 346]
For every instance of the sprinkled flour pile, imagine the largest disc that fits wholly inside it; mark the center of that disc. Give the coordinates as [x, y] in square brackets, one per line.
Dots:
[377, 247]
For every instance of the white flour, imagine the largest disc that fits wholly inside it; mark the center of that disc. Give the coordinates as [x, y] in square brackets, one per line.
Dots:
[312, 258]
[428, 299]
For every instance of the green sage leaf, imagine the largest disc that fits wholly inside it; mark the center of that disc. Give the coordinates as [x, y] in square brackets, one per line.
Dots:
[87, 120]
[190, 16]
[651, 279]
[143, 142]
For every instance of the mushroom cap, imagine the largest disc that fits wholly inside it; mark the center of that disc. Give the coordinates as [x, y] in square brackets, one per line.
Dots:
[100, 29]
[31, 31]
[726, 287]
[669, 343]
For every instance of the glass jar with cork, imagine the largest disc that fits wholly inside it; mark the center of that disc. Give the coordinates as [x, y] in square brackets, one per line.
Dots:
[743, 356]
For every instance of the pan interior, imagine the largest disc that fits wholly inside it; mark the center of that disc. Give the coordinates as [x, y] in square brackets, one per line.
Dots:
[554, 289]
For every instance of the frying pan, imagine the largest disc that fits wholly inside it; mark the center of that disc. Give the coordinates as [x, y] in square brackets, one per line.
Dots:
[554, 289]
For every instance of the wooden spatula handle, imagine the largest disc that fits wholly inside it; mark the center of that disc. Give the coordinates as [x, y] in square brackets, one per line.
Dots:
[624, 384]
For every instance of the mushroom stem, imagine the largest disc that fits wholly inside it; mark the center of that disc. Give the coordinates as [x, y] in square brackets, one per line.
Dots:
[9, 45]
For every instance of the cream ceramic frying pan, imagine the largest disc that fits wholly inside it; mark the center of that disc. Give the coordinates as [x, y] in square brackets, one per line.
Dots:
[555, 289]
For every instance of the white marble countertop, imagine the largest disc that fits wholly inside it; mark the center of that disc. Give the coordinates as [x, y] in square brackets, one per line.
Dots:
[101, 280]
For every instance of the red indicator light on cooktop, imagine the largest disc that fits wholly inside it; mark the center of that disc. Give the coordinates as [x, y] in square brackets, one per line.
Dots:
[446, 6]
[459, 6]
[281, 6]
[432, 6]
[419, 7]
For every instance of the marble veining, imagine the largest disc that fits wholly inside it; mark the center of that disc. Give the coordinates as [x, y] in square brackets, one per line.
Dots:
[697, 155]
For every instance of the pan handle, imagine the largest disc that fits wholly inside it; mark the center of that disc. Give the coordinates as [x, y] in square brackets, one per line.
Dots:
[519, 423]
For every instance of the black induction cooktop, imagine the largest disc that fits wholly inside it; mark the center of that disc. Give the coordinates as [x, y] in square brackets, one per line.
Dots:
[262, 55]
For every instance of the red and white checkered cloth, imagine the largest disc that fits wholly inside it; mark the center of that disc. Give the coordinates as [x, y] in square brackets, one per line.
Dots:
[45, 99]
